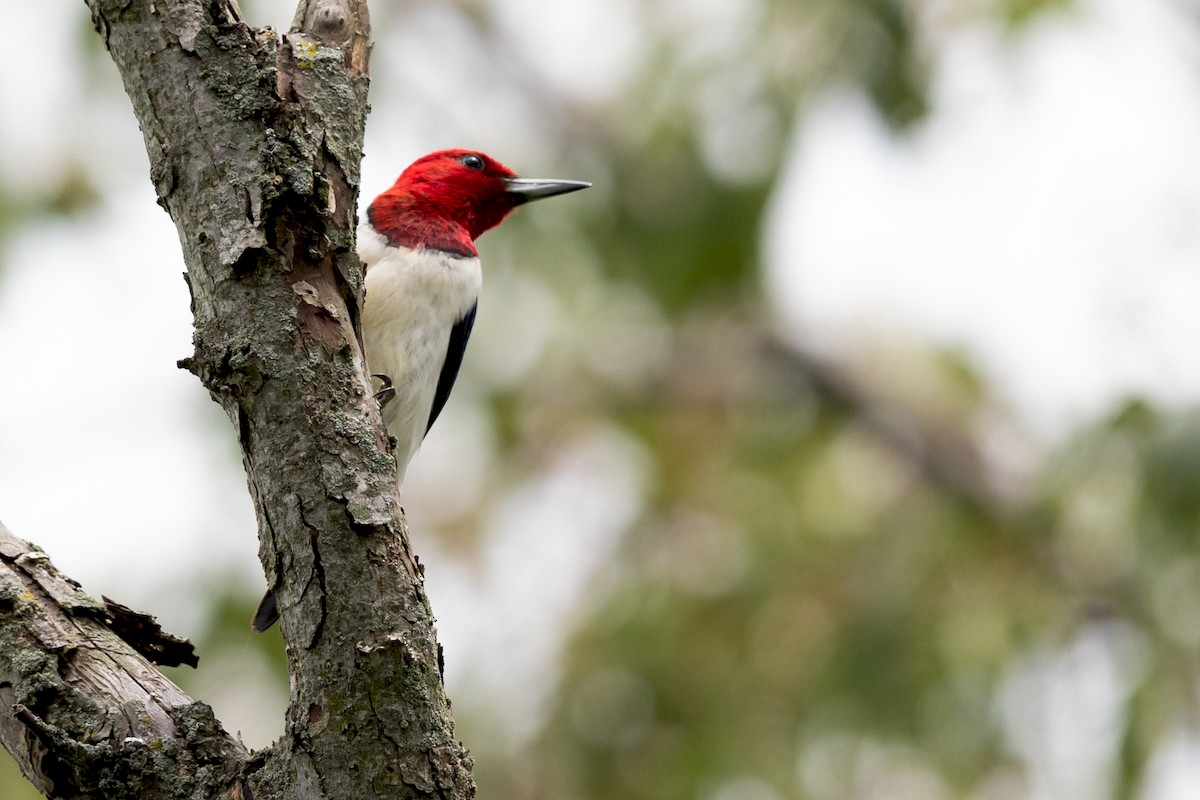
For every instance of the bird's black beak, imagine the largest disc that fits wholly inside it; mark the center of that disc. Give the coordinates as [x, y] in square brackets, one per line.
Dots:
[525, 189]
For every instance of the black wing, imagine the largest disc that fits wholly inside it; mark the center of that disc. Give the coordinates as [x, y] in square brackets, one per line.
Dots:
[454, 356]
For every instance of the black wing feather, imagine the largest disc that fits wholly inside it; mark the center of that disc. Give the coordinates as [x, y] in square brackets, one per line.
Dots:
[459, 335]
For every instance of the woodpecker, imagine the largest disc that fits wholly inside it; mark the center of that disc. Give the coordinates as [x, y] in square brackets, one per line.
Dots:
[423, 279]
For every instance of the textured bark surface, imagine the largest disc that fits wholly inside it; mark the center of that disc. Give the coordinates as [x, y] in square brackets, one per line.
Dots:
[254, 145]
[83, 713]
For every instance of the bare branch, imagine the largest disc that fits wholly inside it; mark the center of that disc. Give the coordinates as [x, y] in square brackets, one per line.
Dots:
[82, 711]
[254, 146]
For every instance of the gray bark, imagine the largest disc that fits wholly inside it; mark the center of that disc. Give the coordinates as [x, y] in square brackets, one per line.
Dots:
[82, 712]
[254, 146]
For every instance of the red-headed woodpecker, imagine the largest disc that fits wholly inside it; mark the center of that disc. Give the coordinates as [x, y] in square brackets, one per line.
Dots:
[417, 246]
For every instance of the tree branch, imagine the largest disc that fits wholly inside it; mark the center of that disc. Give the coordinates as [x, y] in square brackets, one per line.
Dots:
[83, 713]
[254, 148]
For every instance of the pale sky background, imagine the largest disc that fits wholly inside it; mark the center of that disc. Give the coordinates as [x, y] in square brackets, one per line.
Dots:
[1044, 219]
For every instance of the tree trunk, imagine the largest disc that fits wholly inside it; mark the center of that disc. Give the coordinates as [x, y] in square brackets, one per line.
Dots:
[254, 148]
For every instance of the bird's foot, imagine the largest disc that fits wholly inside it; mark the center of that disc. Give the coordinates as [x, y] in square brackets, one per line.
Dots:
[387, 392]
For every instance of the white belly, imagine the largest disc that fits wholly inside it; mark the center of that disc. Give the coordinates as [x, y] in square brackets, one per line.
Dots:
[413, 299]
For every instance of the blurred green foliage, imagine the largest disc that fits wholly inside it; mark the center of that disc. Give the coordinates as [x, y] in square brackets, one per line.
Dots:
[681, 236]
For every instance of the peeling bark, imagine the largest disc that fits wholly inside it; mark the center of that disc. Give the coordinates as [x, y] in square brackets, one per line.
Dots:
[255, 143]
[82, 712]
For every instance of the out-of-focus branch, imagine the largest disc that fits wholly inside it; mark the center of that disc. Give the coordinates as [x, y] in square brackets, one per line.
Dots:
[944, 454]
[722, 361]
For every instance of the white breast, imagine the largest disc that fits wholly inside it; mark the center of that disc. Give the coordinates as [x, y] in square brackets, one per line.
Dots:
[413, 299]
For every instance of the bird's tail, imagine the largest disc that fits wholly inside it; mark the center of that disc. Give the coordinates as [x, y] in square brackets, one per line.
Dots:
[267, 613]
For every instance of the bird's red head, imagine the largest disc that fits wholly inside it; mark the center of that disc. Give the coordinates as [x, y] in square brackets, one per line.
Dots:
[446, 200]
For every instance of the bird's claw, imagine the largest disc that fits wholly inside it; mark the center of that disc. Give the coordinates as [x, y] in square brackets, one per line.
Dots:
[387, 392]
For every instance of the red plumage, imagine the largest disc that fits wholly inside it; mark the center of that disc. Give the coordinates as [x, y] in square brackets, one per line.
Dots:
[444, 201]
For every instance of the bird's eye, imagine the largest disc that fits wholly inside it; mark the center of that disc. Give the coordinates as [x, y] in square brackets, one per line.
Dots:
[472, 161]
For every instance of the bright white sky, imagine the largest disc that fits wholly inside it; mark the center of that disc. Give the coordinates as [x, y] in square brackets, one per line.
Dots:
[1045, 218]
